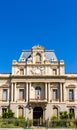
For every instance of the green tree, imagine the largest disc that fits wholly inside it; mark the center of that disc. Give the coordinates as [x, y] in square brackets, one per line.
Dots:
[8, 114]
[64, 115]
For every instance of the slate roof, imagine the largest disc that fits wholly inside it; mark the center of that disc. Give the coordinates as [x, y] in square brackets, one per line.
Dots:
[24, 56]
[50, 55]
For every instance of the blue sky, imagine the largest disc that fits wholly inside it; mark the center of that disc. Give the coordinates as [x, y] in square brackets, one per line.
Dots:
[50, 23]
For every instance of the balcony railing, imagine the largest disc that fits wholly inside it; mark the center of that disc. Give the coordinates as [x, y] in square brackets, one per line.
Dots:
[34, 100]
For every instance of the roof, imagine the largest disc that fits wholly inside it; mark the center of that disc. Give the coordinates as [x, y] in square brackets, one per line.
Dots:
[50, 55]
[24, 56]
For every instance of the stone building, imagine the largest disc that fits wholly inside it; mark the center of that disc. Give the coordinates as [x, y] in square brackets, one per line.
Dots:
[38, 87]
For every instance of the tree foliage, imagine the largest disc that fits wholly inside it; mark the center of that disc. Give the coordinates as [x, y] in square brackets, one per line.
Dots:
[66, 115]
[8, 114]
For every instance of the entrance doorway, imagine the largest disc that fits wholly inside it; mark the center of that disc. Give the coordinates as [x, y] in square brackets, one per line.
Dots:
[37, 116]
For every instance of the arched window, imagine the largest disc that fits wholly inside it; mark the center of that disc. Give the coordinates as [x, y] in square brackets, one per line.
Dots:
[38, 92]
[55, 111]
[71, 94]
[20, 111]
[72, 112]
[38, 57]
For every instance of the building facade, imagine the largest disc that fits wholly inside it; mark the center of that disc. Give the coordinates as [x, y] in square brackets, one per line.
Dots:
[38, 87]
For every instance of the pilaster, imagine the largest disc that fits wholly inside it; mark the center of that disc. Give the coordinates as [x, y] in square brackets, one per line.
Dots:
[12, 92]
[48, 92]
[60, 92]
[27, 92]
[45, 90]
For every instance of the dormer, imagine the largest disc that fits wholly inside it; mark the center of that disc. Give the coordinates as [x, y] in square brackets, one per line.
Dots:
[38, 54]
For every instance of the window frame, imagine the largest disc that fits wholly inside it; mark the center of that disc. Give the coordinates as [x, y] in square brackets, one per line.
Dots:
[5, 96]
[71, 94]
[54, 71]
[55, 94]
[21, 71]
[38, 58]
[37, 92]
[21, 97]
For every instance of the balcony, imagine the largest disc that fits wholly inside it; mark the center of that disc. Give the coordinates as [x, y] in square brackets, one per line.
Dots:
[38, 101]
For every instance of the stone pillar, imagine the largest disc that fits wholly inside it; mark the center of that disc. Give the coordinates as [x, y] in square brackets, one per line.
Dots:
[45, 90]
[15, 98]
[9, 94]
[12, 92]
[60, 92]
[24, 71]
[0, 94]
[27, 92]
[48, 92]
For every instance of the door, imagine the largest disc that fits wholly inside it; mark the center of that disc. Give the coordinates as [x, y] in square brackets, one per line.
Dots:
[37, 116]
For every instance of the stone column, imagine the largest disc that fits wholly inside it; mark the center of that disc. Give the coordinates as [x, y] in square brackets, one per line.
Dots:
[60, 92]
[45, 90]
[24, 71]
[26, 92]
[12, 92]
[15, 98]
[0, 94]
[8, 94]
[29, 90]
[48, 92]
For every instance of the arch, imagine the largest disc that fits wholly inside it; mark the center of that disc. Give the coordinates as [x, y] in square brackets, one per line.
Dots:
[37, 116]
[20, 106]
[38, 88]
[20, 111]
[38, 57]
[72, 112]
[56, 110]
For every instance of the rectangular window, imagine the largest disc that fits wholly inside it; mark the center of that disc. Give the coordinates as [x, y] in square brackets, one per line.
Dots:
[71, 110]
[5, 94]
[20, 112]
[54, 72]
[71, 94]
[21, 71]
[4, 110]
[37, 94]
[21, 94]
[55, 94]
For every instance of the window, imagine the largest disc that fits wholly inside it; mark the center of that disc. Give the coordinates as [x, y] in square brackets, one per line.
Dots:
[55, 111]
[20, 112]
[54, 72]
[5, 94]
[55, 94]
[38, 58]
[71, 110]
[21, 94]
[71, 94]
[37, 92]
[4, 110]
[21, 71]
